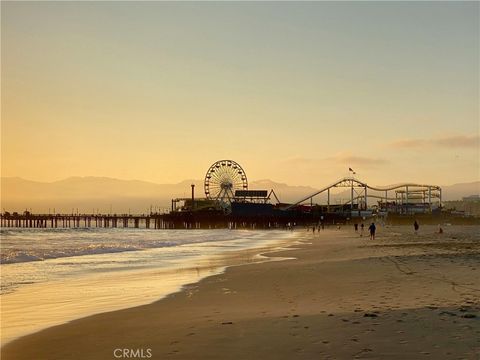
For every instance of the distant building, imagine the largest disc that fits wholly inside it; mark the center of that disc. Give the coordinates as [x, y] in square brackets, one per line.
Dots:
[471, 198]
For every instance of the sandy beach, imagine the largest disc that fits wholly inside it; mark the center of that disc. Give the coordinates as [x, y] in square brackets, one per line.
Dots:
[343, 296]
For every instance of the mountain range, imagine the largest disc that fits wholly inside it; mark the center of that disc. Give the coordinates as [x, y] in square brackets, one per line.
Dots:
[104, 195]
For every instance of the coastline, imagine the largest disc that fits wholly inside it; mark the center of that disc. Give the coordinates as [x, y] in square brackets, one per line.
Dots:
[342, 297]
[67, 297]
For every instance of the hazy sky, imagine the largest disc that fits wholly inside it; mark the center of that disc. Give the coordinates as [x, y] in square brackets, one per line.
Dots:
[294, 92]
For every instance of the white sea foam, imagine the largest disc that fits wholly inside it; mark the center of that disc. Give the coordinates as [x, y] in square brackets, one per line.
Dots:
[22, 245]
[49, 276]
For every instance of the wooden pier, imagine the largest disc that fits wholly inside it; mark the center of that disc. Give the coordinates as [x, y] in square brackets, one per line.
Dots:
[153, 221]
[172, 220]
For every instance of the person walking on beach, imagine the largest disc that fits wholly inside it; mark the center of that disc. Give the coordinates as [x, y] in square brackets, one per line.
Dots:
[361, 229]
[372, 229]
[356, 227]
[416, 226]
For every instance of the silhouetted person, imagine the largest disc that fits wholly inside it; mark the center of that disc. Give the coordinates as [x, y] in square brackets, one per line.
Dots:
[416, 226]
[362, 226]
[372, 229]
[356, 227]
[440, 230]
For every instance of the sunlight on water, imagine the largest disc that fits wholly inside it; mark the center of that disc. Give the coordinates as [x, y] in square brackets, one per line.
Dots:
[127, 268]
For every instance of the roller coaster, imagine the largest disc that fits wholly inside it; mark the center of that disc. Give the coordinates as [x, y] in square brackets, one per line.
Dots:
[402, 198]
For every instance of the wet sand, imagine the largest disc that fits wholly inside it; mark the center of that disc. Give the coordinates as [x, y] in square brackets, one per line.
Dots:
[402, 296]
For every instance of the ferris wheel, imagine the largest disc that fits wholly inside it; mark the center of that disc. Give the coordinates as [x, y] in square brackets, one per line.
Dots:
[222, 179]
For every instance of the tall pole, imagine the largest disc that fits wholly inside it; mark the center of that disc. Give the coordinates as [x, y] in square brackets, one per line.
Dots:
[193, 196]
[328, 200]
[366, 204]
[406, 199]
[351, 195]
[386, 200]
[430, 198]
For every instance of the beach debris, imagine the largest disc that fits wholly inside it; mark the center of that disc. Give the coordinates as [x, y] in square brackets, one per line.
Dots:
[227, 323]
[372, 315]
[469, 316]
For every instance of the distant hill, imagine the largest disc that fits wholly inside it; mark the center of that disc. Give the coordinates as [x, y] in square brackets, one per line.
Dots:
[286, 193]
[102, 193]
[457, 191]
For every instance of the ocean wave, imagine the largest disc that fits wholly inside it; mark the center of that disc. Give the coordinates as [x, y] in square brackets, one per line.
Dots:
[28, 245]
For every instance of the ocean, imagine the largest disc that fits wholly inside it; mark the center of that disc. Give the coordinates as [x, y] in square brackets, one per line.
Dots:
[51, 276]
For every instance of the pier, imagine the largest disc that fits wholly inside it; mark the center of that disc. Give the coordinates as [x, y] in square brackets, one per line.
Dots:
[27, 220]
[229, 203]
[173, 220]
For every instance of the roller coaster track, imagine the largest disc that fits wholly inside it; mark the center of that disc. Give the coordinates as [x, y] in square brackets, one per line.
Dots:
[351, 182]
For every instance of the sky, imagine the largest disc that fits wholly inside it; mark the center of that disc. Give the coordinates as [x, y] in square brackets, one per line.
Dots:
[296, 92]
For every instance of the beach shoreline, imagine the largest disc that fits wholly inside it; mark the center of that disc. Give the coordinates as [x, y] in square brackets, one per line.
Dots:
[343, 296]
[115, 284]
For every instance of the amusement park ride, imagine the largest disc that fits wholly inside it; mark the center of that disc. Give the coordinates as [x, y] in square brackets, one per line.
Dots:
[225, 183]
[226, 189]
[229, 203]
